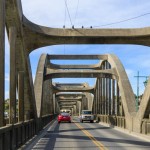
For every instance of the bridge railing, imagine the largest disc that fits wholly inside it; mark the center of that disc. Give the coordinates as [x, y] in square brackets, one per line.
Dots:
[13, 136]
[145, 126]
[112, 120]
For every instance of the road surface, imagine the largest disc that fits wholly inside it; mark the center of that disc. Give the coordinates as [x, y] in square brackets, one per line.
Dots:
[86, 136]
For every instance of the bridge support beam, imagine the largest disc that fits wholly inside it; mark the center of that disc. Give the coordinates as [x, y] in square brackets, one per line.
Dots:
[12, 109]
[79, 107]
[21, 96]
[74, 110]
[51, 98]
[2, 61]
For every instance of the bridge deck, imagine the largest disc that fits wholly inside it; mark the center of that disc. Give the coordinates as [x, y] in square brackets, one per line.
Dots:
[77, 136]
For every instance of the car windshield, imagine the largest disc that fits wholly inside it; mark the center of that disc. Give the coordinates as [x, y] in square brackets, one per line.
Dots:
[86, 112]
[65, 114]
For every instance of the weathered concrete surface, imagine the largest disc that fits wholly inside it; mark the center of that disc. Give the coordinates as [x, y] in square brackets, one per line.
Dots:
[21, 97]
[2, 61]
[12, 88]
[127, 94]
[70, 73]
[144, 110]
[31, 36]
[44, 36]
[13, 18]
[38, 84]
[72, 88]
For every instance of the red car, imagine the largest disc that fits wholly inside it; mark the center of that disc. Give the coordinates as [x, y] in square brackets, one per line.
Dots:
[64, 117]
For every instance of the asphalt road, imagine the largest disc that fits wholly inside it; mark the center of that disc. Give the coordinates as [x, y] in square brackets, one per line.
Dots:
[86, 136]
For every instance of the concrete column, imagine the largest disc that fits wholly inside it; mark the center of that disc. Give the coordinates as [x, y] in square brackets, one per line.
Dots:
[79, 102]
[97, 102]
[21, 96]
[54, 103]
[2, 61]
[77, 108]
[109, 103]
[107, 96]
[94, 103]
[118, 99]
[96, 99]
[84, 102]
[74, 110]
[104, 95]
[51, 98]
[12, 108]
[100, 95]
[113, 97]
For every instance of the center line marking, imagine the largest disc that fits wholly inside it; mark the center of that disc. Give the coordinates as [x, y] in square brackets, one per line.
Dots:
[97, 143]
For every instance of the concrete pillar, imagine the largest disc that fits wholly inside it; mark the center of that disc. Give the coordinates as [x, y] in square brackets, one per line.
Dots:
[2, 61]
[96, 99]
[77, 107]
[107, 96]
[51, 98]
[84, 103]
[87, 103]
[100, 95]
[54, 103]
[109, 99]
[12, 108]
[113, 97]
[106, 92]
[79, 102]
[20, 96]
[118, 101]
[104, 96]
[74, 110]
[94, 103]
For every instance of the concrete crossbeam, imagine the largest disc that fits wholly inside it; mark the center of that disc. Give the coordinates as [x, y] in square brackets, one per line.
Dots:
[109, 73]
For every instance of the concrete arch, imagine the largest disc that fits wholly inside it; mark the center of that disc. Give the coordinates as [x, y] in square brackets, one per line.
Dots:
[39, 84]
[44, 36]
[144, 109]
[127, 94]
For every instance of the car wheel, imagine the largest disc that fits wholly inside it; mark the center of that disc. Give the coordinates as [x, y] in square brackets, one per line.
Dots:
[69, 121]
[58, 121]
[91, 121]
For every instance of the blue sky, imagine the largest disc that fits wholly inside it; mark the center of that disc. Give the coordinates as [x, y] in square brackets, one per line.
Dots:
[53, 13]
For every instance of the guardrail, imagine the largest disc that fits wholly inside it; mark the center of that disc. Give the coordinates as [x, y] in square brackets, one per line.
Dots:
[145, 126]
[13, 136]
[118, 121]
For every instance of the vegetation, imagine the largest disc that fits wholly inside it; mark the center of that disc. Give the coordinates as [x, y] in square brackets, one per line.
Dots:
[7, 107]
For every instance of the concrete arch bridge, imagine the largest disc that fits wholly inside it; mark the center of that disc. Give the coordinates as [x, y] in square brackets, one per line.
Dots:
[32, 106]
